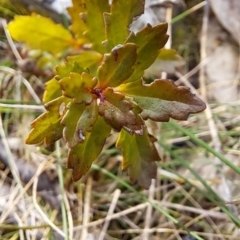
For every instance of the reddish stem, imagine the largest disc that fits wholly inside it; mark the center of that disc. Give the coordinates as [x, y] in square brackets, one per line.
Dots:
[98, 92]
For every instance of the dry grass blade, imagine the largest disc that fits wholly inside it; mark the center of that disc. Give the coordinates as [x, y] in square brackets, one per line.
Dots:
[149, 211]
[184, 202]
[86, 212]
[209, 116]
[116, 195]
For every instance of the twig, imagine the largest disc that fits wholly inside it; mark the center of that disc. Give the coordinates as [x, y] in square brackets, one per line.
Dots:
[178, 179]
[211, 124]
[110, 212]
[192, 72]
[23, 106]
[10, 41]
[69, 216]
[37, 207]
[149, 210]
[11, 161]
[31, 90]
[16, 196]
[203, 89]
[203, 53]
[169, 32]
[24, 81]
[113, 216]
[171, 230]
[10, 205]
[189, 11]
[87, 201]
[185, 81]
[63, 195]
[180, 207]
[196, 219]
[19, 220]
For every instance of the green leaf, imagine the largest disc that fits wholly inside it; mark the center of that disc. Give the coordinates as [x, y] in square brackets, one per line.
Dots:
[117, 66]
[65, 69]
[78, 120]
[95, 23]
[79, 63]
[78, 26]
[52, 90]
[86, 59]
[41, 33]
[149, 41]
[119, 19]
[168, 55]
[139, 154]
[44, 61]
[80, 157]
[47, 126]
[70, 120]
[117, 111]
[162, 99]
[78, 87]
[167, 61]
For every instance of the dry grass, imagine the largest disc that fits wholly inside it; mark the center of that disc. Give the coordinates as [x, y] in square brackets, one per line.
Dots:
[196, 193]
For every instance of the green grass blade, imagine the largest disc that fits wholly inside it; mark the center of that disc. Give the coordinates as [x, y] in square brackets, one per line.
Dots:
[145, 199]
[205, 146]
[215, 198]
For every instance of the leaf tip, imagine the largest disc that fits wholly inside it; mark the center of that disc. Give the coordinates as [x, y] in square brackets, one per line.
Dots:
[27, 140]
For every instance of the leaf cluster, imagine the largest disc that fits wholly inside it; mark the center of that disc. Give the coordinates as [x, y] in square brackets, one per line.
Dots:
[101, 88]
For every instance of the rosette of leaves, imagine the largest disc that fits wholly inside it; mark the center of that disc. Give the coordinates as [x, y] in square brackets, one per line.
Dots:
[102, 89]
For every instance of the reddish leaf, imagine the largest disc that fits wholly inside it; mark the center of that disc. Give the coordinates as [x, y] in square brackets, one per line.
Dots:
[162, 99]
[117, 111]
[80, 157]
[136, 128]
[139, 154]
[117, 66]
